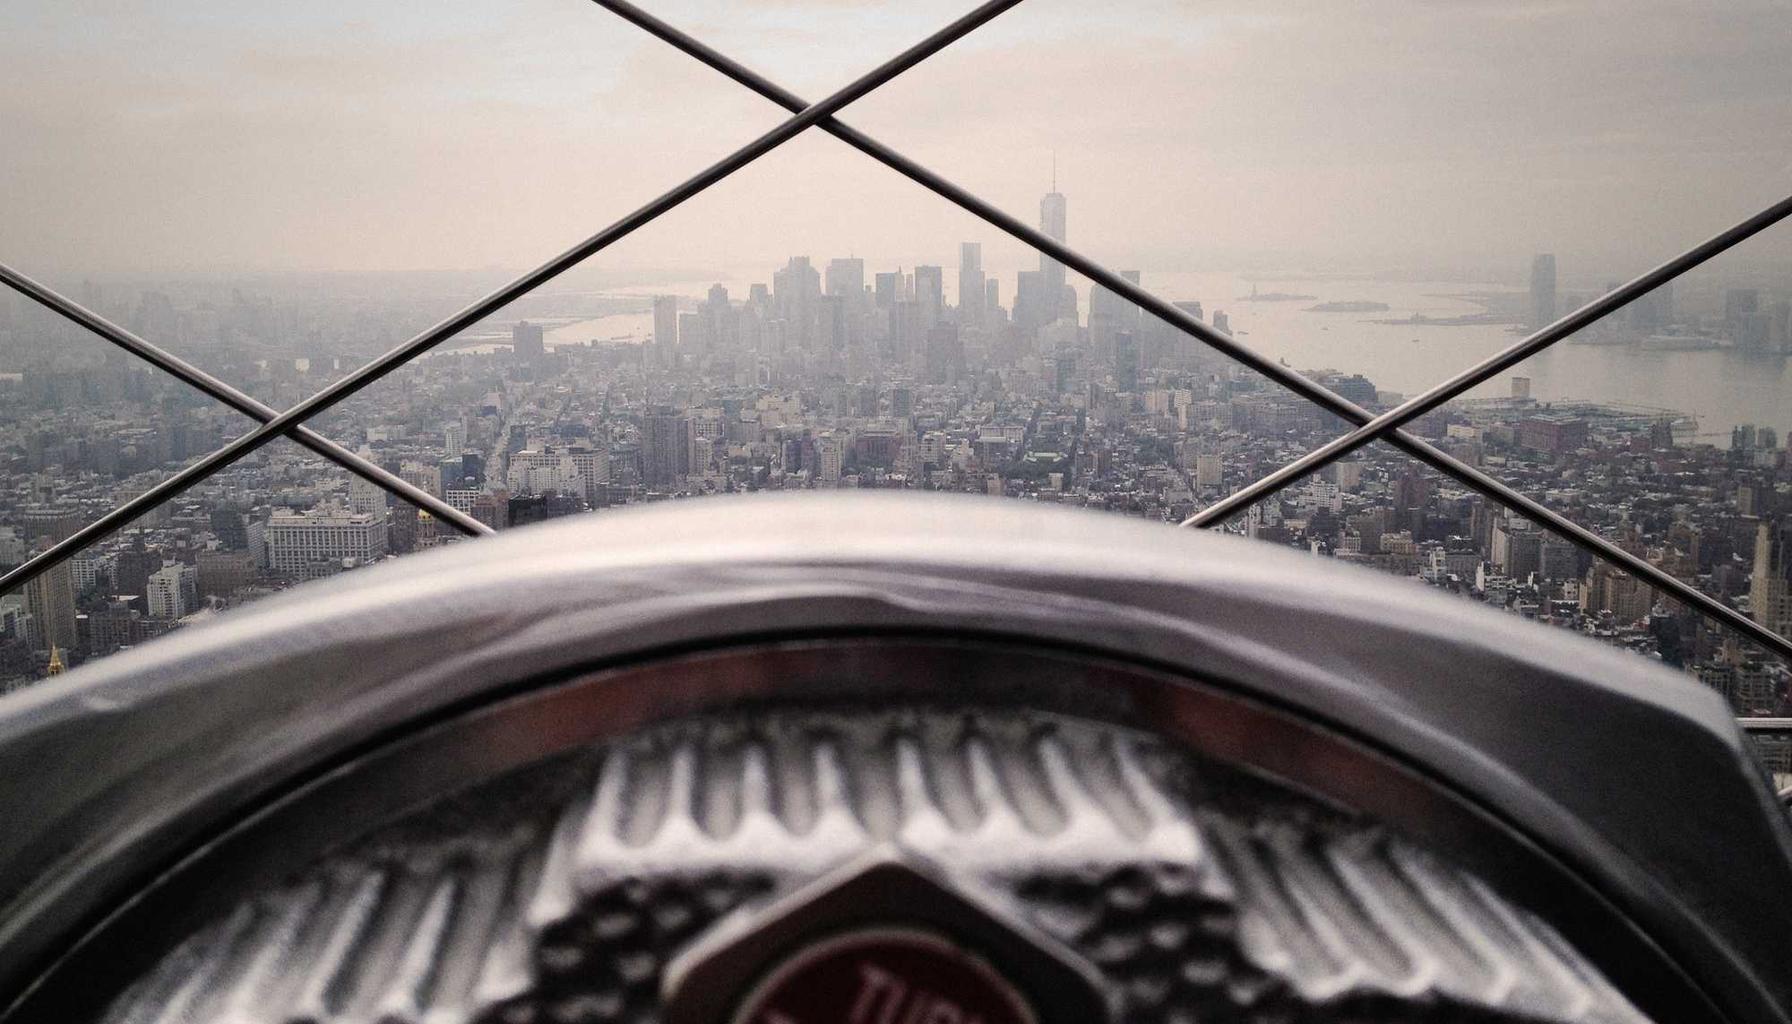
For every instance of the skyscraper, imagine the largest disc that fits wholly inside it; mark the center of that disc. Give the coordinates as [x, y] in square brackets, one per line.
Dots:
[1053, 219]
[665, 322]
[720, 323]
[930, 293]
[50, 598]
[526, 340]
[1030, 303]
[796, 295]
[1543, 290]
[1770, 586]
[846, 278]
[173, 591]
[971, 298]
[829, 456]
[1109, 314]
[889, 289]
[665, 448]
[945, 354]
[1126, 361]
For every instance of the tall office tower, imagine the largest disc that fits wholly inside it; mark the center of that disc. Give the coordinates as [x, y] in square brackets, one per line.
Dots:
[1770, 587]
[1030, 300]
[665, 448]
[944, 359]
[902, 402]
[844, 304]
[905, 333]
[1543, 290]
[846, 278]
[992, 300]
[1126, 361]
[50, 600]
[1053, 222]
[796, 293]
[526, 340]
[930, 293]
[830, 451]
[835, 323]
[454, 438]
[970, 283]
[693, 333]
[1521, 388]
[1411, 492]
[889, 289]
[1064, 375]
[1221, 322]
[720, 323]
[665, 322]
[173, 591]
[1109, 314]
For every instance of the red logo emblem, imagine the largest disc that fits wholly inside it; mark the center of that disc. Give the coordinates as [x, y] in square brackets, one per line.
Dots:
[884, 976]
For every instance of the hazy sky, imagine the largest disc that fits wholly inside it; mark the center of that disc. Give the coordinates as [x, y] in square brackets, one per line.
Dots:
[181, 135]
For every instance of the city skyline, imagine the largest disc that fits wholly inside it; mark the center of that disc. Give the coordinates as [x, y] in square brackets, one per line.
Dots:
[841, 374]
[974, 364]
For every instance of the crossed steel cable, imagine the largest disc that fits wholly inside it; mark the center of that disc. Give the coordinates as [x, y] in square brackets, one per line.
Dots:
[237, 400]
[1413, 408]
[287, 421]
[1387, 426]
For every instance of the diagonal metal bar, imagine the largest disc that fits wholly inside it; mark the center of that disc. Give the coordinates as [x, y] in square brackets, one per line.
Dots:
[1419, 405]
[805, 118]
[1309, 389]
[243, 403]
[985, 211]
[1659, 578]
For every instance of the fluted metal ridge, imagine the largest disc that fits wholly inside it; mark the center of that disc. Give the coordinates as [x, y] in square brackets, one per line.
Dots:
[571, 911]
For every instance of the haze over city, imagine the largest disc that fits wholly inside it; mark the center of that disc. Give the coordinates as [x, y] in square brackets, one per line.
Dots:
[1373, 203]
[173, 138]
